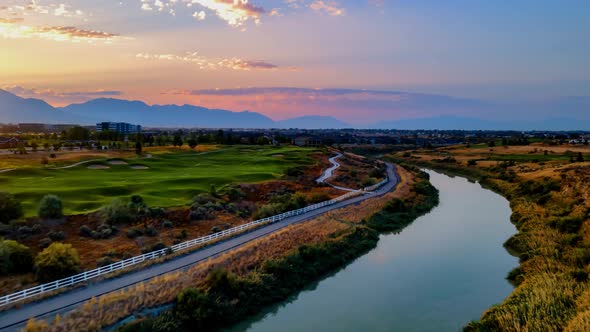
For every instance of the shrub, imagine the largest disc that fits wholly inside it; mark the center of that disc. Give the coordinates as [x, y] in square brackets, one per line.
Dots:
[201, 213]
[117, 213]
[133, 233]
[24, 232]
[50, 207]
[367, 182]
[376, 173]
[45, 242]
[36, 229]
[10, 208]
[157, 212]
[136, 203]
[194, 308]
[104, 261]
[85, 231]
[155, 247]
[472, 162]
[151, 231]
[56, 236]
[56, 261]
[167, 224]
[182, 235]
[14, 257]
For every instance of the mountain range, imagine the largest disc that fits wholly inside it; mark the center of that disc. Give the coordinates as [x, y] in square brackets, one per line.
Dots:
[14, 109]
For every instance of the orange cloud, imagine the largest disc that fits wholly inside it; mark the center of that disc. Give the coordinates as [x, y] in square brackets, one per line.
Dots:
[234, 12]
[330, 7]
[206, 63]
[13, 29]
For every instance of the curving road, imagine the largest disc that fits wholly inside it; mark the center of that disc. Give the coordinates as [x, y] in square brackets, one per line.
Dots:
[329, 172]
[15, 319]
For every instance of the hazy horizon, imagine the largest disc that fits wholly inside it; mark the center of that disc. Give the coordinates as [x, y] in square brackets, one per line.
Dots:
[238, 55]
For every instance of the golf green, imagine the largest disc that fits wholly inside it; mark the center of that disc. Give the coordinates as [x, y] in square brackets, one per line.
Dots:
[165, 179]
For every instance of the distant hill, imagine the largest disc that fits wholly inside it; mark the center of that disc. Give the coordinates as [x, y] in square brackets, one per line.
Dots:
[107, 109]
[463, 123]
[14, 109]
[313, 122]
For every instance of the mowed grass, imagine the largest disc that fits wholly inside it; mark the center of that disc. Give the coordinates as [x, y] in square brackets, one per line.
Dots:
[171, 178]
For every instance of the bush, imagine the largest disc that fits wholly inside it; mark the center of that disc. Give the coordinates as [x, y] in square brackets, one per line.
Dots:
[155, 247]
[117, 213]
[50, 207]
[151, 231]
[194, 308]
[376, 173]
[85, 231]
[136, 203]
[14, 257]
[104, 261]
[167, 224]
[56, 236]
[133, 233]
[24, 232]
[45, 242]
[201, 213]
[10, 208]
[36, 229]
[56, 262]
[157, 212]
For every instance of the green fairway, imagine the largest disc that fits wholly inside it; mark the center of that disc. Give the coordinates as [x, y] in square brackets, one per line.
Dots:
[166, 179]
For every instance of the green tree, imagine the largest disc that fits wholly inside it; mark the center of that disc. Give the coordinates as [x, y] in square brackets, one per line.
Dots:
[177, 141]
[50, 207]
[10, 208]
[193, 308]
[580, 157]
[15, 257]
[78, 134]
[138, 148]
[57, 261]
[192, 143]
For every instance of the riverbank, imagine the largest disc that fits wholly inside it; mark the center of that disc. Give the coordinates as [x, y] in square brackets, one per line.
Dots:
[551, 209]
[225, 297]
[248, 259]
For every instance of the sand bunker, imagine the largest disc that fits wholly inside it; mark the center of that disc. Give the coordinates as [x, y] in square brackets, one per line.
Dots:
[118, 162]
[139, 167]
[98, 167]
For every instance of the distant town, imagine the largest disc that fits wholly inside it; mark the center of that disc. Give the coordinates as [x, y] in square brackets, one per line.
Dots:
[31, 137]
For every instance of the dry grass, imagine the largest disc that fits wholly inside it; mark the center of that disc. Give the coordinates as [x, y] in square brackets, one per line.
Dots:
[554, 293]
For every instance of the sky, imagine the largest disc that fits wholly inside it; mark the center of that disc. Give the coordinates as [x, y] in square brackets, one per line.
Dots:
[239, 54]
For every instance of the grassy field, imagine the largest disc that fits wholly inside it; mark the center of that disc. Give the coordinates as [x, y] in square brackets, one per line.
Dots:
[169, 178]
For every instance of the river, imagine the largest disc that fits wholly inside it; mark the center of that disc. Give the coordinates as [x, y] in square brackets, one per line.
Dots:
[438, 274]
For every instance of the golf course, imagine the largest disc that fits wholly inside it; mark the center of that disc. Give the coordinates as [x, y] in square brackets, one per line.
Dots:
[163, 178]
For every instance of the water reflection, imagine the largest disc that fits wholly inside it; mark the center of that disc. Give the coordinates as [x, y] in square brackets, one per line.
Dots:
[436, 275]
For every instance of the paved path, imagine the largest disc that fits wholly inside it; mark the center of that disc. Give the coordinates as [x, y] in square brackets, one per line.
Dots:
[7, 170]
[329, 172]
[15, 319]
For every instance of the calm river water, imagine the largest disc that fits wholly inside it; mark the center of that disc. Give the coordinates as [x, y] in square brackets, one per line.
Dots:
[442, 271]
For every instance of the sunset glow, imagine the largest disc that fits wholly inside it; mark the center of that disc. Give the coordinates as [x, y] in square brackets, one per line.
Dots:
[170, 51]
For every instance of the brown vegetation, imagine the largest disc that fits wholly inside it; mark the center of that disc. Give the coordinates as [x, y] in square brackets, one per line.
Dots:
[550, 203]
[113, 307]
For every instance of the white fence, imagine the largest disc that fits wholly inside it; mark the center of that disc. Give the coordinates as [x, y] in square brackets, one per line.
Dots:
[87, 275]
